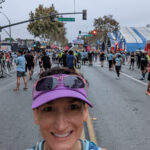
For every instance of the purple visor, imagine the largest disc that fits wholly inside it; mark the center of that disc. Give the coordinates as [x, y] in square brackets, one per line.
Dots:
[54, 87]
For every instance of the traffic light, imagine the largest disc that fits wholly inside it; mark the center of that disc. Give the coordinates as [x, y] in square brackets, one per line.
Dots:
[84, 14]
[94, 32]
[53, 16]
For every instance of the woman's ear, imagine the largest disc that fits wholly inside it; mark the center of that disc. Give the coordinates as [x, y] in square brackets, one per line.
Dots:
[85, 112]
[36, 119]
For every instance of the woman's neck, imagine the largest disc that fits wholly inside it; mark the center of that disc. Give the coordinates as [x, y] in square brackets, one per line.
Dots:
[77, 146]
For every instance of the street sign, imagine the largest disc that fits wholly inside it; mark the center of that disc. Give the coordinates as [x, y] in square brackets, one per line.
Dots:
[88, 35]
[66, 19]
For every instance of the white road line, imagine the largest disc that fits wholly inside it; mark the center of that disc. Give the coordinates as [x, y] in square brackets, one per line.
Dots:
[134, 79]
[129, 77]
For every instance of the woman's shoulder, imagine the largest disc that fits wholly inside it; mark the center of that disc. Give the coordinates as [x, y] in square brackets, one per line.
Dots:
[38, 146]
[89, 145]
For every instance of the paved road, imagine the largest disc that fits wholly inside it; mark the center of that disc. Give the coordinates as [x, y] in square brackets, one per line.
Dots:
[17, 129]
[120, 106]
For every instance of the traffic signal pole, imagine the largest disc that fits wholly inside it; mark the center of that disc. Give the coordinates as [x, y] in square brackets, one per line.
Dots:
[43, 17]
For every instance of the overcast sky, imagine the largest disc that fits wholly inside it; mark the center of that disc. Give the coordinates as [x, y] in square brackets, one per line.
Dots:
[129, 13]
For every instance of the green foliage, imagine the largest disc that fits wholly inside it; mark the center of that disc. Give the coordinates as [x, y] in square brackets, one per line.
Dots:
[45, 28]
[107, 23]
[8, 39]
[103, 25]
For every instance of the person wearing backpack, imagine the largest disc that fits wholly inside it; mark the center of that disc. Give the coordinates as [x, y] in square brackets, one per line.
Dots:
[60, 107]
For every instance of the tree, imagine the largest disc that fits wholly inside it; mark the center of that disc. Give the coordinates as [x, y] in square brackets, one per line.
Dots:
[106, 23]
[45, 28]
[8, 39]
[103, 25]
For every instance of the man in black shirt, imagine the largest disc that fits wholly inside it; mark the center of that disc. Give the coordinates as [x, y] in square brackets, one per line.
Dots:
[144, 63]
[46, 61]
[29, 63]
[64, 56]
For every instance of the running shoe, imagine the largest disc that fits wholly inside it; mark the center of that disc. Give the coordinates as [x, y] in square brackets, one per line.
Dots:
[142, 79]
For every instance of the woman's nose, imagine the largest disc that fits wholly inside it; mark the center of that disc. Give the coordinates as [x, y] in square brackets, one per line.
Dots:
[61, 122]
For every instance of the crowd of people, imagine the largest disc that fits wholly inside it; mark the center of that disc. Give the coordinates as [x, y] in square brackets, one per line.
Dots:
[6, 62]
[73, 59]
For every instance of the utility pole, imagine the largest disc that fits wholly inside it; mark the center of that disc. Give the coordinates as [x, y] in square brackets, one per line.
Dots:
[8, 22]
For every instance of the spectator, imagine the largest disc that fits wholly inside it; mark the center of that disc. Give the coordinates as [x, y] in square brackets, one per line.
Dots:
[20, 62]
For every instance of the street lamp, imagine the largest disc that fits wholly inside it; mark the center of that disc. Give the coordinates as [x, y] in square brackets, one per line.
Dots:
[8, 21]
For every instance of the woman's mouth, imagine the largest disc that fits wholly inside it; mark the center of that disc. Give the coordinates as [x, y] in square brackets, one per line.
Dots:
[62, 135]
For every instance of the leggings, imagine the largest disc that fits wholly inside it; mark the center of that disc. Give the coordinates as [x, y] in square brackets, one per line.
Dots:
[118, 70]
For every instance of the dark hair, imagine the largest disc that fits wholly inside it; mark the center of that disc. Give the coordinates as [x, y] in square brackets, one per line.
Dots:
[44, 53]
[70, 52]
[61, 70]
[19, 51]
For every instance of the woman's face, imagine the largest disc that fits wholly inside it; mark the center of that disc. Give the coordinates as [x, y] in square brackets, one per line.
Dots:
[61, 122]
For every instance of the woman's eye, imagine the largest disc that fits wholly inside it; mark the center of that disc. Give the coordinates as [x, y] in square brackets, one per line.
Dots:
[74, 107]
[48, 109]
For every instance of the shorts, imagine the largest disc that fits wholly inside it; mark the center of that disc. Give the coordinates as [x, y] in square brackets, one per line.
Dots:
[148, 76]
[47, 66]
[28, 67]
[21, 74]
[102, 58]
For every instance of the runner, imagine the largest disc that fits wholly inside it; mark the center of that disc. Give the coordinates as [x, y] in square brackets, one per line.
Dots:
[144, 63]
[85, 56]
[46, 61]
[148, 86]
[70, 60]
[20, 62]
[60, 107]
[90, 58]
[29, 63]
[118, 63]
[64, 57]
[110, 60]
[132, 60]
[102, 58]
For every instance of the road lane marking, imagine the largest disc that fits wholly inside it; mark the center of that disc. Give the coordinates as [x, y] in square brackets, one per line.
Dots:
[133, 78]
[83, 134]
[91, 130]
